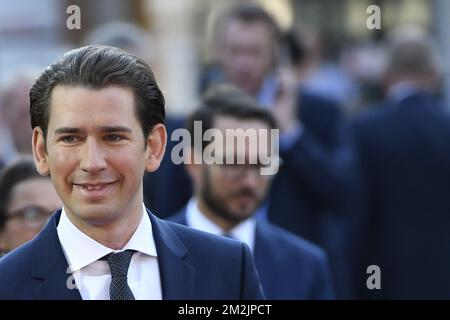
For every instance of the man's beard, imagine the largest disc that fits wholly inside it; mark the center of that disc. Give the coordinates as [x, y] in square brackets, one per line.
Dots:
[219, 208]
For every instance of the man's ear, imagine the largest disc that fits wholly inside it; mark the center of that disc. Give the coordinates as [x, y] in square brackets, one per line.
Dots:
[40, 152]
[156, 146]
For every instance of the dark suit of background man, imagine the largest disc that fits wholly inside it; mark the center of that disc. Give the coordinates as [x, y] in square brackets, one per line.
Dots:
[227, 196]
[404, 151]
[97, 116]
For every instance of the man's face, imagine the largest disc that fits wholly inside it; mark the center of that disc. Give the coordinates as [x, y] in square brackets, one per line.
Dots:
[96, 153]
[31, 203]
[235, 191]
[247, 55]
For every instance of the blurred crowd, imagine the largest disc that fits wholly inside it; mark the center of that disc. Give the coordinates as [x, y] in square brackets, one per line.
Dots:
[364, 143]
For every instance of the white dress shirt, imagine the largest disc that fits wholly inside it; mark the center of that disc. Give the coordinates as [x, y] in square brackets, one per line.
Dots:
[244, 231]
[92, 276]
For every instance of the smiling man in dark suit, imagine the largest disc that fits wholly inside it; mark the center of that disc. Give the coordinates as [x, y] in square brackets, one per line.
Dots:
[97, 116]
[227, 196]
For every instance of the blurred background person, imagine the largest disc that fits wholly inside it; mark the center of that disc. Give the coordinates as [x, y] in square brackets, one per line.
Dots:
[404, 152]
[14, 105]
[27, 201]
[316, 60]
[227, 196]
[250, 58]
[124, 35]
[6, 146]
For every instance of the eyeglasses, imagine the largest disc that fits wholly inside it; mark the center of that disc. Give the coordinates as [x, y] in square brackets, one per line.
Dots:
[30, 215]
[238, 171]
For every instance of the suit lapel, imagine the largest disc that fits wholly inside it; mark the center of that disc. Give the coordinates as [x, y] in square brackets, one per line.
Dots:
[265, 260]
[177, 275]
[59, 284]
[260, 246]
[50, 266]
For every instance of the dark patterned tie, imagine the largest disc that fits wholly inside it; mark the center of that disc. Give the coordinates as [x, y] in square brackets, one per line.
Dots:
[118, 264]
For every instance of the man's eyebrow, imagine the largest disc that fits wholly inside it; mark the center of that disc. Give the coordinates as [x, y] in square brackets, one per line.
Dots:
[114, 129]
[63, 130]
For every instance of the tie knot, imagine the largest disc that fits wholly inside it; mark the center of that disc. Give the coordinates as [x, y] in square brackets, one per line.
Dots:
[119, 263]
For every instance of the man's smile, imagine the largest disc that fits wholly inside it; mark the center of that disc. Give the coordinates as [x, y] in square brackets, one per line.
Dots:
[94, 190]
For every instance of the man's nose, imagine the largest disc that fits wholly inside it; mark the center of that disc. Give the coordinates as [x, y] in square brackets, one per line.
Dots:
[92, 157]
[251, 178]
[244, 63]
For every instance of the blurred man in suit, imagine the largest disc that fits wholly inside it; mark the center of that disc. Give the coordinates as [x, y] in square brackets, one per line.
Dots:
[227, 196]
[404, 152]
[249, 57]
[27, 201]
[97, 116]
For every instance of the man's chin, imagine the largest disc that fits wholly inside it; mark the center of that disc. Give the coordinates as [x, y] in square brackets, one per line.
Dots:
[95, 214]
[242, 212]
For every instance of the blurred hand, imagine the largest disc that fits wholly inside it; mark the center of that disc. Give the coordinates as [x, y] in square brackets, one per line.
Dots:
[285, 109]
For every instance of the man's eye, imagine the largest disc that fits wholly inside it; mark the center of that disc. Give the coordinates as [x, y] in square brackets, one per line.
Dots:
[113, 137]
[69, 139]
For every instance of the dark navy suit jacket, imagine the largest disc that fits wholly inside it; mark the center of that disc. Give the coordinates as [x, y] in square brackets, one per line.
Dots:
[288, 266]
[404, 151]
[192, 264]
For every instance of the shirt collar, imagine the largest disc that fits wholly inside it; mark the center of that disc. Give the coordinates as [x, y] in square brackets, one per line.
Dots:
[81, 250]
[267, 94]
[402, 90]
[244, 231]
